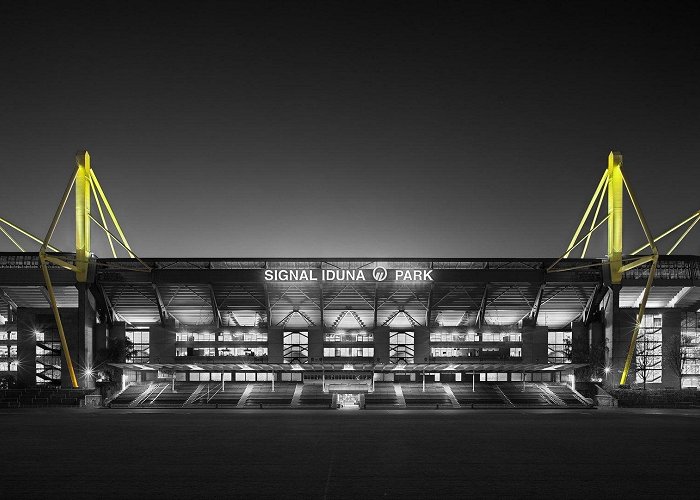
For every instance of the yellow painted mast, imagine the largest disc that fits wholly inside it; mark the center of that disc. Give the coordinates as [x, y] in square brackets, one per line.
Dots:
[82, 216]
[613, 185]
[615, 192]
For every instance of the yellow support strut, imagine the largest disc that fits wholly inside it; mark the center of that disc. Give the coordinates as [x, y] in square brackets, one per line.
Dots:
[43, 259]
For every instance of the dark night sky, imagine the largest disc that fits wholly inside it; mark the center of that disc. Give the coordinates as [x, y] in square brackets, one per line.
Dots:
[434, 129]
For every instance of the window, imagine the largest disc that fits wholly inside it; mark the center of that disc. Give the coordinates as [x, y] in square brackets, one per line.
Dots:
[516, 352]
[401, 347]
[349, 337]
[295, 347]
[243, 337]
[690, 350]
[648, 350]
[204, 351]
[181, 351]
[491, 353]
[255, 352]
[8, 335]
[139, 336]
[453, 352]
[48, 359]
[501, 337]
[559, 347]
[453, 337]
[204, 337]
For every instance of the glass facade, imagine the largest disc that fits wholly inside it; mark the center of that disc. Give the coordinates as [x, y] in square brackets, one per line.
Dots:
[559, 347]
[48, 358]
[139, 337]
[8, 350]
[401, 347]
[349, 337]
[453, 337]
[454, 352]
[690, 346]
[295, 347]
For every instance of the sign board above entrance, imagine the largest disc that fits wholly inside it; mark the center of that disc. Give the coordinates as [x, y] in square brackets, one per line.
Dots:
[377, 274]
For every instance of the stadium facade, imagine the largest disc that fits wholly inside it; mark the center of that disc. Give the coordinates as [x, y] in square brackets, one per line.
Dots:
[350, 323]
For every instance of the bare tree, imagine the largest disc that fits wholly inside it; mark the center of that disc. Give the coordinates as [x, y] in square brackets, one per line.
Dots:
[677, 351]
[647, 357]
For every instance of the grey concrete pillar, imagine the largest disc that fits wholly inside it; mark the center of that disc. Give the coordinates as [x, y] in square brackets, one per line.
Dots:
[421, 344]
[381, 344]
[99, 338]
[161, 343]
[315, 344]
[117, 331]
[623, 321]
[534, 344]
[580, 344]
[275, 345]
[82, 348]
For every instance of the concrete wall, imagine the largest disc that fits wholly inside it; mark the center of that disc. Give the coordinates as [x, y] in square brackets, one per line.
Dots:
[81, 341]
[275, 345]
[580, 342]
[162, 343]
[381, 344]
[99, 338]
[315, 344]
[534, 344]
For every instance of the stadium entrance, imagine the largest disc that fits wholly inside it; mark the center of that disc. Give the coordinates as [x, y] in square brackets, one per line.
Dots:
[349, 401]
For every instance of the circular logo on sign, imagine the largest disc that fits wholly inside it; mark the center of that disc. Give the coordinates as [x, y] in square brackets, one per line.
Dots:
[379, 273]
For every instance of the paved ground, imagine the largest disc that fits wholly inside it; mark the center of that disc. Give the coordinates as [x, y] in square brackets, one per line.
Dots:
[342, 454]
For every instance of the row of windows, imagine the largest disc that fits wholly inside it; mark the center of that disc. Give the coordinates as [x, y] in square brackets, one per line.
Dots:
[474, 337]
[4, 335]
[349, 337]
[6, 351]
[455, 352]
[197, 376]
[501, 337]
[223, 337]
[223, 351]
[8, 365]
[348, 352]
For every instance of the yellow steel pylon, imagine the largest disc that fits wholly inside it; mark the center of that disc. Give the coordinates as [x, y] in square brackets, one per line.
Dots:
[84, 180]
[613, 185]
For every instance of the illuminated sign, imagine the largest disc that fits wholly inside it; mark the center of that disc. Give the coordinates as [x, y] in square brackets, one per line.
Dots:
[377, 274]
